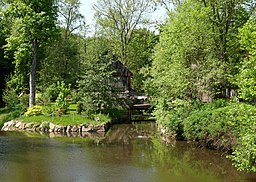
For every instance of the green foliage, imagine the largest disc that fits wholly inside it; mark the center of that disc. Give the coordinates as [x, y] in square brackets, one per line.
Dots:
[185, 64]
[226, 127]
[220, 125]
[140, 51]
[79, 108]
[10, 97]
[118, 20]
[49, 109]
[244, 155]
[62, 61]
[50, 94]
[7, 115]
[246, 79]
[96, 86]
[29, 25]
[171, 114]
[64, 91]
[34, 111]
[24, 99]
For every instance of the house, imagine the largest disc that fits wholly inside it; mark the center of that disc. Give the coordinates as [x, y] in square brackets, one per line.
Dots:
[123, 76]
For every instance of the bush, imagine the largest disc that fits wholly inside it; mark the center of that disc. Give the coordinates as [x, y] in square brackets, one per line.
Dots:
[64, 91]
[24, 102]
[34, 111]
[10, 97]
[50, 94]
[172, 113]
[231, 128]
[49, 110]
[79, 107]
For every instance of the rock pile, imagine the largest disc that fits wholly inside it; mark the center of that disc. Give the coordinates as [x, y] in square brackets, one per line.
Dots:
[50, 127]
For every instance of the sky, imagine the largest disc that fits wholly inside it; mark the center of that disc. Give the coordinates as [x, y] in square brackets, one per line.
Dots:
[86, 10]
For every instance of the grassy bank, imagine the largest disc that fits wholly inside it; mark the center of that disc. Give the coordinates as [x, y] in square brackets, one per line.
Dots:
[7, 115]
[48, 113]
[223, 125]
[71, 119]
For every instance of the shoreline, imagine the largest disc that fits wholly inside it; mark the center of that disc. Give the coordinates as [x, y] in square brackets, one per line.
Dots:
[16, 125]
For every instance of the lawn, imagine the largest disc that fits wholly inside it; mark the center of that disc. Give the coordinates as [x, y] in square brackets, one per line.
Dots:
[71, 119]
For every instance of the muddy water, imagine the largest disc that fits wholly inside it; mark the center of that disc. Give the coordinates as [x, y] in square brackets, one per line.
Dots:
[128, 152]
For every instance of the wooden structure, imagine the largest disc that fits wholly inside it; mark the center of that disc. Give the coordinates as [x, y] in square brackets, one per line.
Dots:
[123, 75]
[135, 102]
[138, 108]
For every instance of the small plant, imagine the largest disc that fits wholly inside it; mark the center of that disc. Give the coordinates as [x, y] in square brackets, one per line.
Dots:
[34, 111]
[79, 108]
[61, 101]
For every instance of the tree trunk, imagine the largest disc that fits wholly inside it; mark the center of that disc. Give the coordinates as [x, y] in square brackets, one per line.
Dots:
[32, 76]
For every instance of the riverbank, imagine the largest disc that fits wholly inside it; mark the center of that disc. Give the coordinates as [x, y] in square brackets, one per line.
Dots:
[221, 125]
[16, 125]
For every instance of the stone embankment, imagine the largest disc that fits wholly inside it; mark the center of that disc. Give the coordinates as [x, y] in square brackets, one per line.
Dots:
[50, 127]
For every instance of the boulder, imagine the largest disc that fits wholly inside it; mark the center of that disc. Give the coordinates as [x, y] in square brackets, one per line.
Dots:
[51, 127]
[89, 128]
[29, 126]
[69, 128]
[17, 125]
[22, 126]
[74, 129]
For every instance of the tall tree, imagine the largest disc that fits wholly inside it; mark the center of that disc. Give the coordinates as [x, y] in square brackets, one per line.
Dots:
[71, 20]
[6, 66]
[119, 19]
[33, 23]
[140, 55]
[64, 55]
[246, 79]
[96, 89]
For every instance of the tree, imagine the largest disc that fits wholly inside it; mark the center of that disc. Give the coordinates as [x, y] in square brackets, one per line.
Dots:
[32, 26]
[198, 50]
[63, 57]
[246, 79]
[95, 86]
[119, 19]
[62, 61]
[140, 55]
[70, 18]
[6, 66]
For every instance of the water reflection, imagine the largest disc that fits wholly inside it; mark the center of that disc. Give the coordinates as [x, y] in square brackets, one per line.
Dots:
[129, 152]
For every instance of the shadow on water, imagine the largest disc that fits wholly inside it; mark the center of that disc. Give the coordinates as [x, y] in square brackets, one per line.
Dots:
[127, 152]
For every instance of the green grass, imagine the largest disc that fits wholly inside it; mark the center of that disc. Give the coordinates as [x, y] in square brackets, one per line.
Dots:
[71, 119]
[7, 115]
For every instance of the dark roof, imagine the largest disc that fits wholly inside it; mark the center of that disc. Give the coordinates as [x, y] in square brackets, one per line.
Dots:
[122, 70]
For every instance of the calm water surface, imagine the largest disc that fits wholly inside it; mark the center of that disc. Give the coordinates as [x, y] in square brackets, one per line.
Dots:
[128, 152]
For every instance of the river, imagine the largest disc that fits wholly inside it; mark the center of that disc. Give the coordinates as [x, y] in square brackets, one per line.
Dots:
[127, 153]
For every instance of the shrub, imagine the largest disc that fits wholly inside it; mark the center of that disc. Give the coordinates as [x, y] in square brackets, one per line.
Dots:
[79, 107]
[49, 109]
[51, 93]
[172, 113]
[24, 102]
[231, 127]
[10, 97]
[34, 111]
[61, 101]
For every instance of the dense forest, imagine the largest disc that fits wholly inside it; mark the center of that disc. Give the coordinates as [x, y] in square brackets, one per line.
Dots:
[199, 71]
